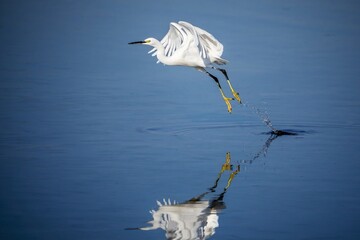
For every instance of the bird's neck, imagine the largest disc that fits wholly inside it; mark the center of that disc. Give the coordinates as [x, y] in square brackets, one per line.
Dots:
[160, 54]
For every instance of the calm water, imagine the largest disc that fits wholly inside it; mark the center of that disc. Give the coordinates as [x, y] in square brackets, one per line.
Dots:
[94, 133]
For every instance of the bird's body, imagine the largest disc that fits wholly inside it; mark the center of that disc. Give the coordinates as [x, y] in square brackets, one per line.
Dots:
[188, 45]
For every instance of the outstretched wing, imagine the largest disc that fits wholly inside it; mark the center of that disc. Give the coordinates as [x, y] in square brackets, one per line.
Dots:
[181, 33]
[209, 47]
[172, 40]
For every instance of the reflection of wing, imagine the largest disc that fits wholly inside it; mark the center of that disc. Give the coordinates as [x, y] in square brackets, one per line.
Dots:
[182, 34]
[185, 221]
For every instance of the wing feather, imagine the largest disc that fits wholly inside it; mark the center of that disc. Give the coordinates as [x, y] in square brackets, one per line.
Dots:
[181, 33]
[209, 46]
[172, 40]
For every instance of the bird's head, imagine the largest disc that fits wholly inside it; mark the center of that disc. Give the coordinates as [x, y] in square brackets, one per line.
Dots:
[148, 41]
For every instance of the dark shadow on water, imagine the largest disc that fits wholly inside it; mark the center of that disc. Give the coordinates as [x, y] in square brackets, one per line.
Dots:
[283, 133]
[197, 218]
[286, 132]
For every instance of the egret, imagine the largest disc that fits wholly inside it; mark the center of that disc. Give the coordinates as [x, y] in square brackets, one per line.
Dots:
[188, 45]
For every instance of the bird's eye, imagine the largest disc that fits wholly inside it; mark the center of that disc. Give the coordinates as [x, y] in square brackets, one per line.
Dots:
[147, 40]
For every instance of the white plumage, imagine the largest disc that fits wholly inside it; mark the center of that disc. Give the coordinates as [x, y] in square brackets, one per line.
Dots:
[195, 42]
[188, 45]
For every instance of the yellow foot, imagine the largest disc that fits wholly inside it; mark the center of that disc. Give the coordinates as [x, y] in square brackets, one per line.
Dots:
[236, 95]
[228, 158]
[232, 175]
[226, 167]
[227, 101]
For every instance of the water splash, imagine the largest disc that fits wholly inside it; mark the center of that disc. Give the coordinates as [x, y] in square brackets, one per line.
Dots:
[263, 115]
[266, 120]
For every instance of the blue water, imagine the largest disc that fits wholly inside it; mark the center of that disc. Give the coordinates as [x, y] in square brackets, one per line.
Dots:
[93, 132]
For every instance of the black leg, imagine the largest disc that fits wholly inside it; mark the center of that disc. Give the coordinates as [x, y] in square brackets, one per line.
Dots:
[226, 99]
[223, 71]
[215, 79]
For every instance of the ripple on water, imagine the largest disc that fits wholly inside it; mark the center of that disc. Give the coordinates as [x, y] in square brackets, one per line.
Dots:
[184, 129]
[188, 129]
[280, 129]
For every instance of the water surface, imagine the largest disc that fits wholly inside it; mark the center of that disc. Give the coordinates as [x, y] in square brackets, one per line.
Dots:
[93, 132]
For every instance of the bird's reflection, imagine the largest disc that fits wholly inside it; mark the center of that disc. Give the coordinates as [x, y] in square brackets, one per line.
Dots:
[197, 218]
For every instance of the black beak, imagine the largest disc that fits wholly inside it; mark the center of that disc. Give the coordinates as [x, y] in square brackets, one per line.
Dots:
[138, 42]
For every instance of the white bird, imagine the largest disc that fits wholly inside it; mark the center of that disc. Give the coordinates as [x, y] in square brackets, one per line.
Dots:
[188, 45]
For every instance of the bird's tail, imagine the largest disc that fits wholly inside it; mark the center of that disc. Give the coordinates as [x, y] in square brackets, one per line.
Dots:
[220, 61]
